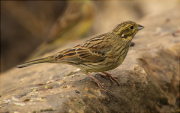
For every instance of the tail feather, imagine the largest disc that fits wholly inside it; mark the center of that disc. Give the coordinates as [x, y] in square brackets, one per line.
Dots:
[42, 60]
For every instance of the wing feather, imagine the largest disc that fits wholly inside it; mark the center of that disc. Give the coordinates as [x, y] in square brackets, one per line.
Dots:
[93, 50]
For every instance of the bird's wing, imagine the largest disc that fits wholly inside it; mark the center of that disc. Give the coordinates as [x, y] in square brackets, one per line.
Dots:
[94, 50]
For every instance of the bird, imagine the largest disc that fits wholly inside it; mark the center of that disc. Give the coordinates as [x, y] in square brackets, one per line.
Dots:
[98, 54]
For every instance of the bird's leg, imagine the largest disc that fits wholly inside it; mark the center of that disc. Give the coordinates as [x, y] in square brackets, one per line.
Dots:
[106, 77]
[97, 81]
[110, 77]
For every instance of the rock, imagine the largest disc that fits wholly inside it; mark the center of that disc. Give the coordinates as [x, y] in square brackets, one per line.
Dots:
[149, 78]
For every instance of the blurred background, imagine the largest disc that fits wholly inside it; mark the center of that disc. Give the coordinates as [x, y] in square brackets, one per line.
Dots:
[30, 29]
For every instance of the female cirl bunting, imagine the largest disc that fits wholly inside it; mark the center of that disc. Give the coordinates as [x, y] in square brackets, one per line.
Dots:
[99, 54]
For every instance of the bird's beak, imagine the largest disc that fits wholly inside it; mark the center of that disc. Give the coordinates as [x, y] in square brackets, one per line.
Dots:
[140, 27]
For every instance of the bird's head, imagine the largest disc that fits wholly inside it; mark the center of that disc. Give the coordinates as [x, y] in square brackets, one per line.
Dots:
[126, 30]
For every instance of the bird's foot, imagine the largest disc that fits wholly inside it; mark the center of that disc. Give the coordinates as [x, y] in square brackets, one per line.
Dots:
[101, 85]
[110, 77]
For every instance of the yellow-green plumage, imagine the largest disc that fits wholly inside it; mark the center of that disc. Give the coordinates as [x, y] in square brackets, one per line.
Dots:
[101, 53]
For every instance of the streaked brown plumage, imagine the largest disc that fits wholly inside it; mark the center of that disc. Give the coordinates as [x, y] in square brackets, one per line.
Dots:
[101, 53]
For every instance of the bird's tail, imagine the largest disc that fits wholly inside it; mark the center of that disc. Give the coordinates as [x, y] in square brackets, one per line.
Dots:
[42, 60]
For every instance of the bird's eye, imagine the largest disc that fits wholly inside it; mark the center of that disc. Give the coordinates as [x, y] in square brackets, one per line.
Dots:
[131, 27]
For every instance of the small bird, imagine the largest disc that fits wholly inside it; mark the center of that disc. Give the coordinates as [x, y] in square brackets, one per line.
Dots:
[99, 54]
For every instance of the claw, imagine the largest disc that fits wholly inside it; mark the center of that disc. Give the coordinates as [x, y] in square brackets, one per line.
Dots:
[101, 85]
[106, 76]
[110, 77]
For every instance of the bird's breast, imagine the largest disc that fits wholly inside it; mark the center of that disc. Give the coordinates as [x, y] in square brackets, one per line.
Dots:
[118, 56]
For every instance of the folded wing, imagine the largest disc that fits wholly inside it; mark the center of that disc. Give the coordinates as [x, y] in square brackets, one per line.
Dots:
[93, 50]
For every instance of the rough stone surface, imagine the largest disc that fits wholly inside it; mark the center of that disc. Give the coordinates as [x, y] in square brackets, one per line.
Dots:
[149, 78]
